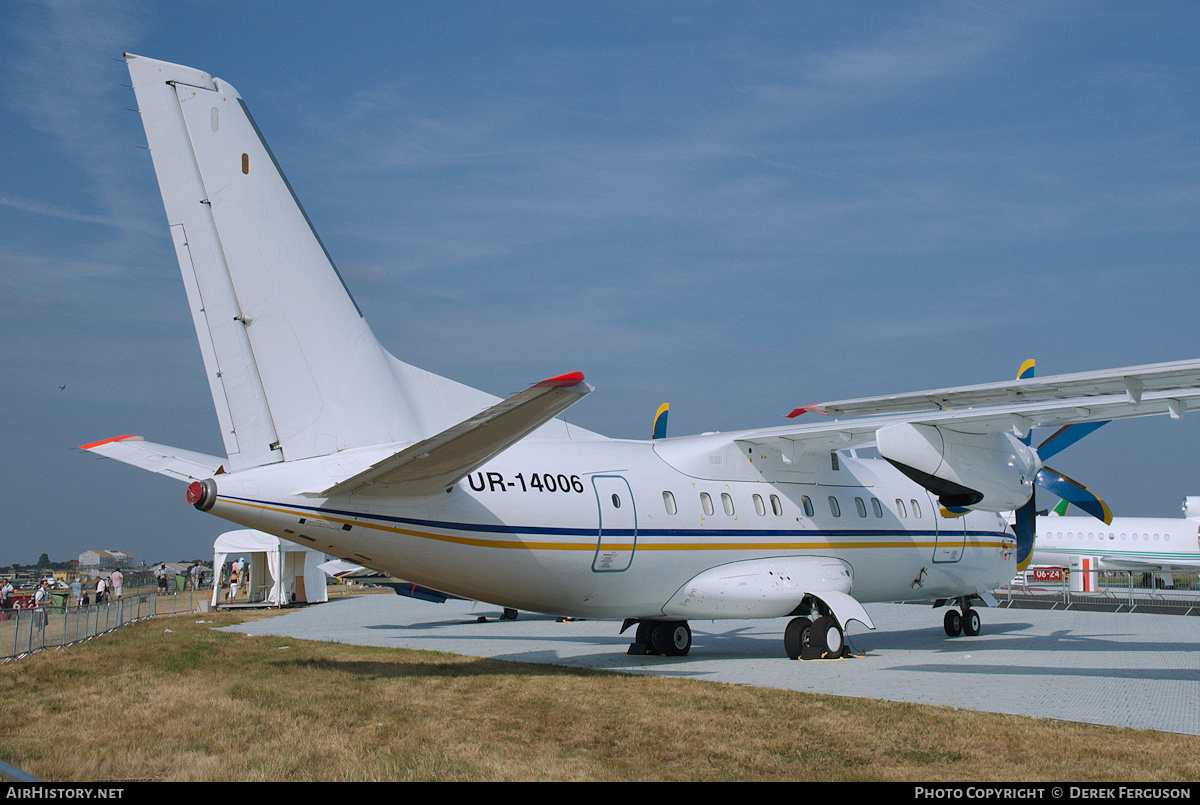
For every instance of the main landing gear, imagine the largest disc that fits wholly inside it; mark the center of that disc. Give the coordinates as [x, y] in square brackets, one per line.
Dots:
[806, 639]
[964, 622]
[667, 638]
[803, 639]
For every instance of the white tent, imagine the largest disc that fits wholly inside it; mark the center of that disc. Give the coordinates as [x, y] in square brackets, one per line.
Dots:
[280, 572]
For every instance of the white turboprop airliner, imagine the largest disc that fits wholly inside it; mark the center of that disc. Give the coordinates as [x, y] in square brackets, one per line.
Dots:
[1149, 544]
[332, 442]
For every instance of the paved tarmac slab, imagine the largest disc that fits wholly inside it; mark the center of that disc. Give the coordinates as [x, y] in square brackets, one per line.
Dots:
[1117, 669]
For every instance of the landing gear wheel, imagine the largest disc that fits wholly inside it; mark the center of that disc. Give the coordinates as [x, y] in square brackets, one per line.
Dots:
[672, 638]
[796, 637]
[510, 614]
[828, 636]
[952, 623]
[970, 623]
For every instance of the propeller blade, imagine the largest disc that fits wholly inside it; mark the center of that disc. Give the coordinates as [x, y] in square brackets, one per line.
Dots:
[1023, 528]
[1025, 518]
[1075, 492]
[659, 430]
[1066, 436]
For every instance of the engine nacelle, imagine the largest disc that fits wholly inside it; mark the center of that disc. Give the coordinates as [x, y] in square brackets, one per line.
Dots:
[1191, 508]
[991, 471]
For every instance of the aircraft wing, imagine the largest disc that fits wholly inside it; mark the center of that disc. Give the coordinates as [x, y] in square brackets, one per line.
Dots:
[1152, 383]
[183, 465]
[1015, 405]
[441, 460]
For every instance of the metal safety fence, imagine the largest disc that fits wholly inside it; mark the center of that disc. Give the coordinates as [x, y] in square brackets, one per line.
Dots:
[23, 631]
[1108, 591]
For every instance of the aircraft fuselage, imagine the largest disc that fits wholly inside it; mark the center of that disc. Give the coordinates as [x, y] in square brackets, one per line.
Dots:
[614, 529]
[1128, 543]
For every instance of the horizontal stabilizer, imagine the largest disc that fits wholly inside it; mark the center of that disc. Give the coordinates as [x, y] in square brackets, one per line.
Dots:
[183, 465]
[441, 460]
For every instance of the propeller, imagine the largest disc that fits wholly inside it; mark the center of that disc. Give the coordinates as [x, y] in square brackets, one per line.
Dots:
[659, 431]
[1054, 481]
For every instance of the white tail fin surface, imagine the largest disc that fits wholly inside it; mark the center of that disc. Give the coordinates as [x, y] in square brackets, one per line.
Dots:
[293, 368]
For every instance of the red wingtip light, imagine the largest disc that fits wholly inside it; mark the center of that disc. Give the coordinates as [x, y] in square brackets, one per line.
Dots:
[804, 409]
[129, 437]
[569, 379]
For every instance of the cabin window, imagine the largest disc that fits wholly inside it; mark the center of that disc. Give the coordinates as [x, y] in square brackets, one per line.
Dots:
[877, 507]
[862, 507]
[669, 503]
[616, 500]
[916, 509]
[776, 506]
[834, 508]
[727, 503]
[900, 509]
[706, 502]
[808, 507]
[759, 506]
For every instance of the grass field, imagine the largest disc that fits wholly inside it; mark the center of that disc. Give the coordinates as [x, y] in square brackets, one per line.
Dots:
[174, 698]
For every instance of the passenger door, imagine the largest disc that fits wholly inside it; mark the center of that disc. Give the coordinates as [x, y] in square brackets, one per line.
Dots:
[617, 537]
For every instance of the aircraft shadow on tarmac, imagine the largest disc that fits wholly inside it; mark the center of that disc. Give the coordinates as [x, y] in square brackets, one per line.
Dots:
[758, 641]
[1008, 637]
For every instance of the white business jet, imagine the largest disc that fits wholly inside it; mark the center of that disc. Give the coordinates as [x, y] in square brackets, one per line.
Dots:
[1144, 544]
[334, 443]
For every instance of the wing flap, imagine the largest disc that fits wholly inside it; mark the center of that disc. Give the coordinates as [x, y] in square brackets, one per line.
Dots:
[441, 460]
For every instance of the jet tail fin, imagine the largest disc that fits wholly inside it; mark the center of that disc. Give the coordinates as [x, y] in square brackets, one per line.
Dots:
[293, 368]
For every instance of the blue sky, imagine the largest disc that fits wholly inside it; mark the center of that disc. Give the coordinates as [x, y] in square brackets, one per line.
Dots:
[737, 208]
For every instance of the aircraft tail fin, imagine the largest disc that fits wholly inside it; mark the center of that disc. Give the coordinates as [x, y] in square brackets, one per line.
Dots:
[293, 368]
